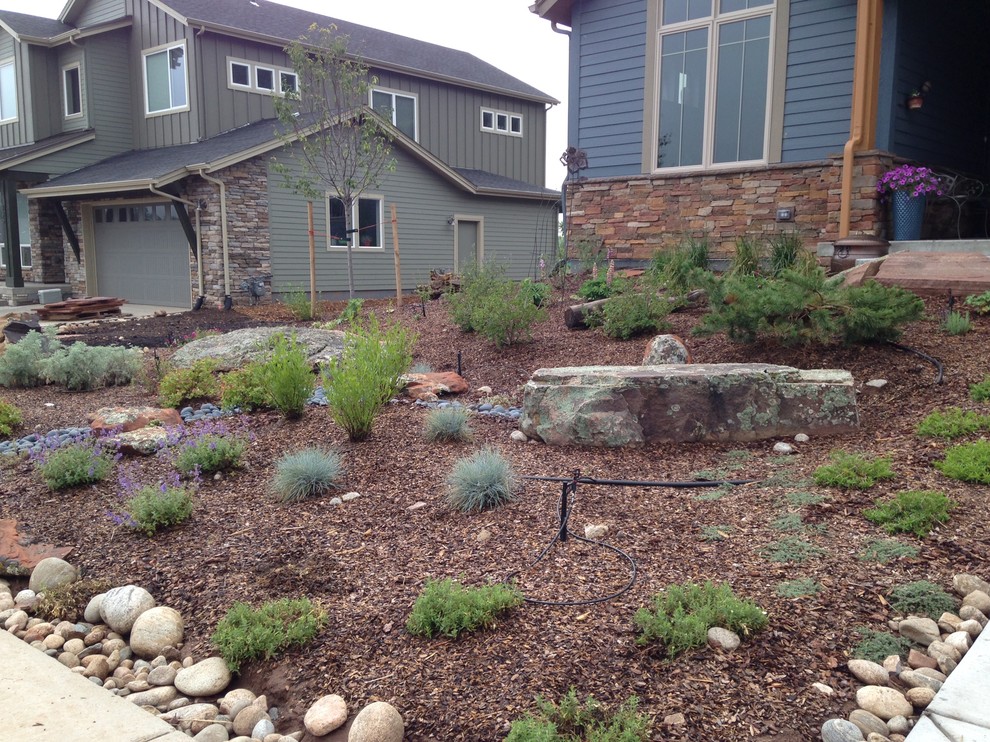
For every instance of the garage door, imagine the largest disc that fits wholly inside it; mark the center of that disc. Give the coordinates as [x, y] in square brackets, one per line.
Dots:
[142, 254]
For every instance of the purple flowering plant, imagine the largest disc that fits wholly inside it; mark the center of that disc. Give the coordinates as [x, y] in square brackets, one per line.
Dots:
[210, 446]
[916, 180]
[83, 459]
[151, 507]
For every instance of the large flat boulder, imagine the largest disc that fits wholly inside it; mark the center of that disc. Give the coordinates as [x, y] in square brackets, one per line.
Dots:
[633, 405]
[237, 348]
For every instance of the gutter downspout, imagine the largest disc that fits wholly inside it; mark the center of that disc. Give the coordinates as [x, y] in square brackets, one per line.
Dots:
[227, 301]
[866, 14]
[200, 298]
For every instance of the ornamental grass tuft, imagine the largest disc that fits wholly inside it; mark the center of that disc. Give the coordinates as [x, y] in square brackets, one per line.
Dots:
[311, 472]
[448, 424]
[481, 481]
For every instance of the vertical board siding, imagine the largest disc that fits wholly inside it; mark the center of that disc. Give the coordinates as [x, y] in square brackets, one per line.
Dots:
[45, 93]
[608, 47]
[424, 201]
[69, 55]
[100, 11]
[818, 94]
[18, 131]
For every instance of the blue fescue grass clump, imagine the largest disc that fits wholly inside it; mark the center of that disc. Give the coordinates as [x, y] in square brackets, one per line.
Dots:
[481, 481]
[311, 472]
[447, 424]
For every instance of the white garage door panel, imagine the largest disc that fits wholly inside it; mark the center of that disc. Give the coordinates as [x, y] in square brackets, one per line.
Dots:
[143, 259]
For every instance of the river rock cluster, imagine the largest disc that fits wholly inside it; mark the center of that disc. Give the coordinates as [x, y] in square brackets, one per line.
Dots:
[896, 692]
[130, 646]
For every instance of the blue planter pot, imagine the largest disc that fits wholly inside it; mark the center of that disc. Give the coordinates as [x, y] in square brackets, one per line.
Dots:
[907, 215]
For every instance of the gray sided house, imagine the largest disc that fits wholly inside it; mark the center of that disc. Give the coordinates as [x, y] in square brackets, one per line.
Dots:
[731, 118]
[137, 140]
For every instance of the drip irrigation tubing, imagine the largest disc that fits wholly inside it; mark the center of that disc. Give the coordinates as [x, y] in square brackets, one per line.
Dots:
[568, 492]
[940, 371]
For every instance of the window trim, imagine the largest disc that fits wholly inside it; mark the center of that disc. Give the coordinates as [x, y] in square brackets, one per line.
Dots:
[354, 238]
[12, 63]
[165, 48]
[252, 68]
[65, 90]
[509, 119]
[23, 246]
[230, 74]
[773, 118]
[280, 73]
[403, 93]
[259, 68]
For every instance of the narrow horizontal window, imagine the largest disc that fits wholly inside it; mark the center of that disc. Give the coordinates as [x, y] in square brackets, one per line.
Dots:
[501, 122]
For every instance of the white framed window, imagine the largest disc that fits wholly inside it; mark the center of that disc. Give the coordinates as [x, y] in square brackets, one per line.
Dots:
[24, 233]
[72, 90]
[264, 79]
[288, 82]
[501, 122]
[8, 91]
[399, 108]
[367, 220]
[166, 82]
[240, 74]
[714, 82]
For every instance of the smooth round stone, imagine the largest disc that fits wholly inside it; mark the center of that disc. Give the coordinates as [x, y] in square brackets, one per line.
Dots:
[868, 672]
[262, 729]
[236, 700]
[977, 599]
[52, 572]
[327, 714]
[899, 725]
[924, 631]
[964, 584]
[971, 627]
[206, 678]
[25, 596]
[162, 676]
[867, 722]
[377, 722]
[249, 716]
[212, 733]
[883, 702]
[920, 697]
[155, 629]
[723, 638]
[121, 606]
[75, 646]
[154, 696]
[840, 730]
[68, 659]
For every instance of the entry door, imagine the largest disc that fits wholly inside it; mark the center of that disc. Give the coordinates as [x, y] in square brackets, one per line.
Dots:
[467, 245]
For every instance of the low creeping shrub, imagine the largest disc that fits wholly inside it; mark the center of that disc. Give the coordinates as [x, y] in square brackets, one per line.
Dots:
[922, 598]
[184, 385]
[572, 721]
[852, 471]
[84, 462]
[799, 588]
[877, 646]
[952, 423]
[448, 424]
[481, 481]
[153, 508]
[447, 608]
[887, 550]
[247, 634]
[980, 391]
[969, 462]
[792, 550]
[311, 472]
[681, 615]
[913, 511]
[288, 377]
[10, 418]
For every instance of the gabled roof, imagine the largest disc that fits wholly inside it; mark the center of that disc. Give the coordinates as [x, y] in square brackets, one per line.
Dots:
[485, 181]
[279, 24]
[14, 157]
[21, 25]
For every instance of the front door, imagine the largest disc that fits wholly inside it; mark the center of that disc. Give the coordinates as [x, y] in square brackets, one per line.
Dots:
[467, 243]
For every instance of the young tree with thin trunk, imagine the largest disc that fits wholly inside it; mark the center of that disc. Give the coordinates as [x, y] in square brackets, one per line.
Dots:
[341, 146]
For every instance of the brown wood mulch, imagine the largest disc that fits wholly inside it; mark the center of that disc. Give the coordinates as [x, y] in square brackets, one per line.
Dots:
[365, 561]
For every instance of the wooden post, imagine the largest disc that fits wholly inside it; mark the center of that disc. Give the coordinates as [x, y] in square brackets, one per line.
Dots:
[312, 260]
[395, 256]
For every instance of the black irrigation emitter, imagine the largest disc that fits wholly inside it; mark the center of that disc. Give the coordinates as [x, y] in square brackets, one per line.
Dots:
[567, 493]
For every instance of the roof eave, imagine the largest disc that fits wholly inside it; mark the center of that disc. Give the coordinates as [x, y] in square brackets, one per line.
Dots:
[555, 11]
[115, 186]
[88, 136]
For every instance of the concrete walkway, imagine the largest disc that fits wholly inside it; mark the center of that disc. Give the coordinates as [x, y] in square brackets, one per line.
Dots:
[961, 710]
[41, 700]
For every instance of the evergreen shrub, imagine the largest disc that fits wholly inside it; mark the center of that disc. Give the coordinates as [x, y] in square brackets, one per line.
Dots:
[183, 385]
[245, 633]
[913, 511]
[447, 608]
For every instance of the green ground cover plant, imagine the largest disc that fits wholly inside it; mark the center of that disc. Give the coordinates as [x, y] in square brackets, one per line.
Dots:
[957, 323]
[877, 646]
[311, 472]
[952, 423]
[887, 550]
[153, 508]
[800, 498]
[183, 385]
[208, 448]
[572, 721]
[245, 633]
[10, 418]
[447, 608]
[86, 461]
[681, 615]
[799, 588]
[922, 598]
[481, 481]
[912, 511]
[788, 522]
[244, 388]
[715, 533]
[448, 424]
[980, 303]
[791, 550]
[596, 289]
[980, 391]
[969, 462]
[711, 494]
[853, 471]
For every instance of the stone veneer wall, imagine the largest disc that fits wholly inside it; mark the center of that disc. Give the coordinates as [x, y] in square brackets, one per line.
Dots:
[248, 235]
[635, 216]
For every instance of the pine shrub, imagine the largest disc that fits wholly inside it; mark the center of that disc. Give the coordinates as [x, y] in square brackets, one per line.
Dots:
[288, 376]
[572, 721]
[245, 633]
[156, 507]
[969, 462]
[913, 511]
[922, 598]
[447, 608]
[481, 481]
[10, 418]
[635, 313]
[183, 385]
[852, 471]
[311, 472]
[681, 615]
[448, 424]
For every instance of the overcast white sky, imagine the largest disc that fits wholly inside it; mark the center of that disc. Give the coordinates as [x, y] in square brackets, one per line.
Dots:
[503, 33]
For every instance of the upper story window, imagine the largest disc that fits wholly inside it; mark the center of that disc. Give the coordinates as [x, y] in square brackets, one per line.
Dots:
[714, 81]
[165, 80]
[259, 78]
[72, 91]
[399, 108]
[8, 91]
[501, 122]
[24, 233]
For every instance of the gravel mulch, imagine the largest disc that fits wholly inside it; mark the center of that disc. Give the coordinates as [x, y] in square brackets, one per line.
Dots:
[365, 560]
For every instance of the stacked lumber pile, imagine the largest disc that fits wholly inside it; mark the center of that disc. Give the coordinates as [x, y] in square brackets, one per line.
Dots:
[91, 307]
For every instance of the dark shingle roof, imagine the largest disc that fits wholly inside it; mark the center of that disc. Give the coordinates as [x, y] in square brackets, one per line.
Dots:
[27, 152]
[33, 26]
[285, 24]
[484, 180]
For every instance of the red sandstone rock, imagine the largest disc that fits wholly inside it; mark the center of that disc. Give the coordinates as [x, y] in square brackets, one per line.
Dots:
[18, 553]
[126, 419]
[422, 386]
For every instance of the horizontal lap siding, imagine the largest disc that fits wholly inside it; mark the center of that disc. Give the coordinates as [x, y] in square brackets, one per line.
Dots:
[100, 11]
[610, 41]
[818, 96]
[424, 201]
